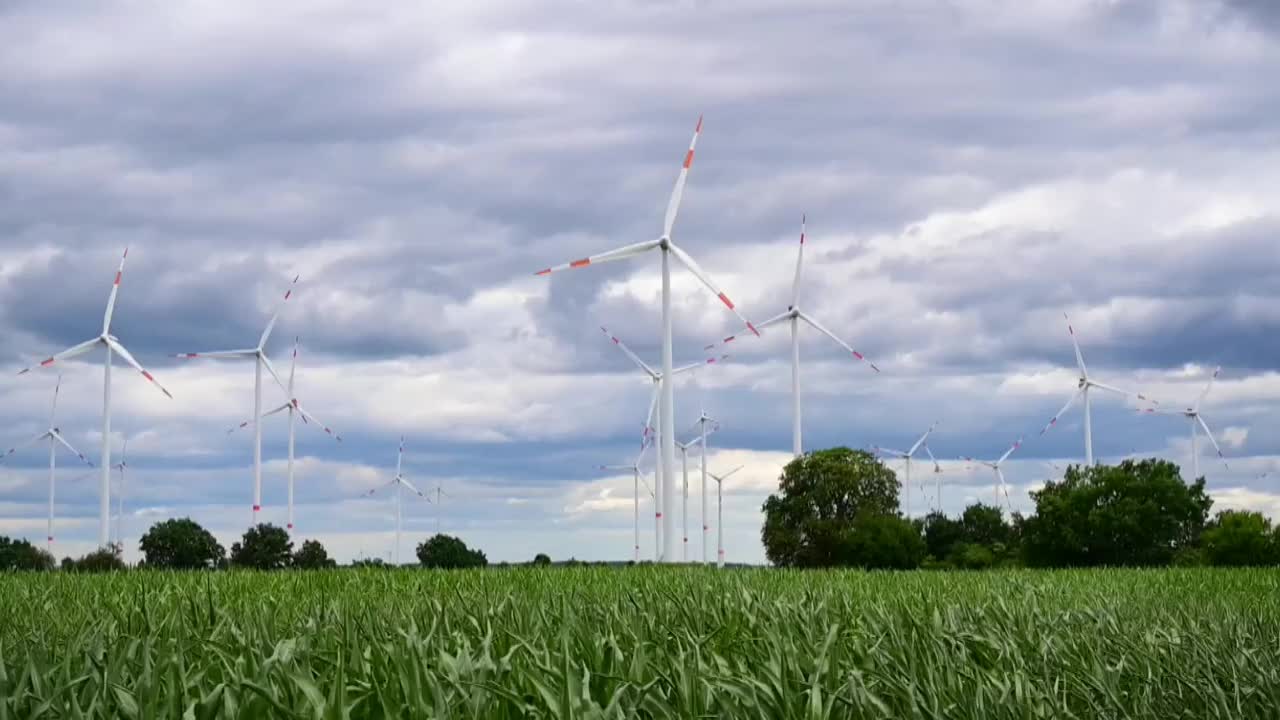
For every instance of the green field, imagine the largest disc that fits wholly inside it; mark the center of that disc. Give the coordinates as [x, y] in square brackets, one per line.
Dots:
[649, 642]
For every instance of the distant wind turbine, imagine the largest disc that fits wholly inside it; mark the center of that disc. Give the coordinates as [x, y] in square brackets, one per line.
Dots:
[55, 438]
[111, 344]
[1196, 420]
[635, 479]
[1083, 384]
[698, 442]
[906, 456]
[667, 246]
[291, 405]
[995, 466]
[121, 466]
[720, 512]
[400, 482]
[260, 361]
[705, 420]
[793, 316]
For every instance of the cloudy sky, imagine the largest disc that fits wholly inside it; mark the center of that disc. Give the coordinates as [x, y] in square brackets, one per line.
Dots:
[971, 170]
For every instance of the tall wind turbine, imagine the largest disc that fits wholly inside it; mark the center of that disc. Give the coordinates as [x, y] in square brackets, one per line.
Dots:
[697, 442]
[292, 407]
[667, 246]
[260, 361]
[1196, 420]
[635, 479]
[440, 495]
[400, 482]
[720, 513]
[995, 466]
[906, 456]
[793, 316]
[1083, 384]
[121, 466]
[55, 439]
[112, 345]
[705, 420]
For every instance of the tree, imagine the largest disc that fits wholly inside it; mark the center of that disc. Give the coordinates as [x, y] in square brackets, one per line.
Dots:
[104, 559]
[941, 535]
[181, 544]
[265, 547]
[881, 542]
[972, 556]
[1134, 513]
[819, 496]
[446, 551]
[985, 525]
[22, 555]
[541, 559]
[1239, 538]
[312, 556]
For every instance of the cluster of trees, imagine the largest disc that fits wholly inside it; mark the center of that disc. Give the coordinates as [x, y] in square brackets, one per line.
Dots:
[839, 507]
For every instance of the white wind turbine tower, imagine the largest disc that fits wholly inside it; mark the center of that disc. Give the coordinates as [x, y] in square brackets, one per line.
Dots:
[1083, 384]
[906, 456]
[703, 421]
[655, 377]
[698, 442]
[121, 466]
[720, 512]
[1196, 420]
[667, 246]
[995, 466]
[793, 316]
[55, 438]
[260, 361]
[292, 406]
[112, 345]
[400, 482]
[635, 479]
[440, 495]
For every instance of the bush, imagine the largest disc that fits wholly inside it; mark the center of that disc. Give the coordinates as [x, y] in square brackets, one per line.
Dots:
[446, 551]
[1237, 538]
[104, 559]
[22, 555]
[312, 556]
[882, 542]
[971, 556]
[181, 544]
[265, 547]
[541, 559]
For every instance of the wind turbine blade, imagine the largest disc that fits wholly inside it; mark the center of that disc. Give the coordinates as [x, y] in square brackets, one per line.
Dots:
[795, 285]
[119, 350]
[219, 354]
[53, 409]
[646, 485]
[693, 267]
[73, 351]
[897, 453]
[1209, 433]
[400, 457]
[627, 351]
[1207, 388]
[721, 478]
[293, 366]
[1054, 420]
[312, 419]
[771, 321]
[111, 299]
[694, 366]
[19, 446]
[262, 341]
[677, 193]
[1079, 358]
[409, 485]
[1017, 444]
[621, 253]
[63, 441]
[266, 363]
[369, 493]
[817, 326]
[923, 437]
[269, 413]
[936, 467]
[616, 467]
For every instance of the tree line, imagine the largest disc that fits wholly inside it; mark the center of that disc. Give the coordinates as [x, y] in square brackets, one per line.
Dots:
[183, 544]
[839, 508]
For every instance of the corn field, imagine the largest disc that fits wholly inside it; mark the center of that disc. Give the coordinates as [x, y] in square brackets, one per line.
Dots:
[641, 642]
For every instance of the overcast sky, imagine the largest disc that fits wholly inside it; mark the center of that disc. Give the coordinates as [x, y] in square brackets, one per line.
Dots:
[971, 170]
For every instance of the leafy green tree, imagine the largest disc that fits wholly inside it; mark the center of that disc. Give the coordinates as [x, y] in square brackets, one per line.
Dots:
[104, 559]
[1239, 538]
[312, 556]
[180, 544]
[985, 525]
[941, 535]
[1134, 513]
[819, 496]
[22, 555]
[881, 542]
[373, 562]
[971, 556]
[265, 547]
[541, 559]
[446, 551]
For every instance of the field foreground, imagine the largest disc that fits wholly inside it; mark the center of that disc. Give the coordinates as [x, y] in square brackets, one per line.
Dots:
[648, 642]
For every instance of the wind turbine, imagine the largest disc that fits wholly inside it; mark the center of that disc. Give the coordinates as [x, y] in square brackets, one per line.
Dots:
[124, 463]
[995, 466]
[703, 420]
[1196, 420]
[635, 475]
[667, 246]
[112, 345]
[699, 441]
[1083, 384]
[906, 456]
[400, 482]
[292, 406]
[55, 439]
[720, 512]
[793, 316]
[260, 361]
[440, 494]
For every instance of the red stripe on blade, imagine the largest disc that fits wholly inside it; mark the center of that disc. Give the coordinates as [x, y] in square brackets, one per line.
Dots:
[147, 375]
[580, 263]
[46, 363]
[118, 274]
[688, 159]
[858, 355]
[699, 128]
[725, 299]
[543, 272]
[256, 508]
